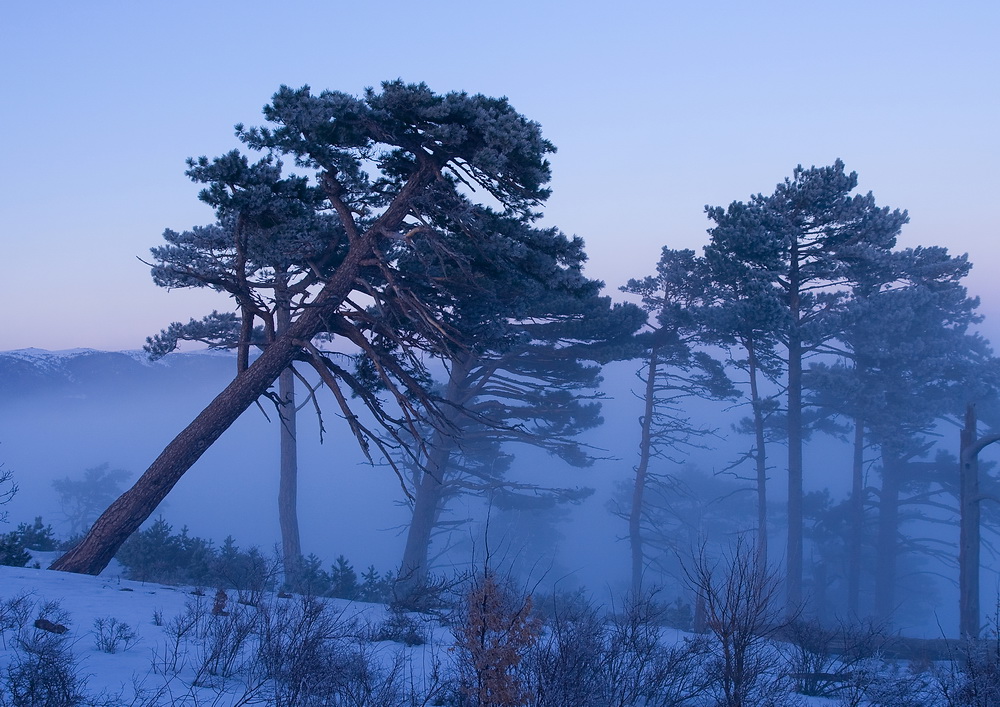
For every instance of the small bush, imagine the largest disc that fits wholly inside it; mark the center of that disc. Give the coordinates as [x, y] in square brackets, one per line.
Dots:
[14, 613]
[496, 632]
[42, 671]
[112, 635]
[401, 627]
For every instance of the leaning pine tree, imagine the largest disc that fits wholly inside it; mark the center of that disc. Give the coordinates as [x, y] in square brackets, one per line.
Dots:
[391, 165]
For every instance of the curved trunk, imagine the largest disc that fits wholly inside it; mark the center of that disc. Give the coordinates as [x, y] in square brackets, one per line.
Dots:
[427, 502]
[429, 492]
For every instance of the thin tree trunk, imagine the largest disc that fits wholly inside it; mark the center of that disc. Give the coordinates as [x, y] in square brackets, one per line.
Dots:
[288, 518]
[760, 458]
[857, 523]
[642, 474]
[888, 532]
[969, 545]
[794, 559]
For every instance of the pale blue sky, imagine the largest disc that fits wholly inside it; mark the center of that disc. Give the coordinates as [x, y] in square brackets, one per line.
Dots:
[657, 109]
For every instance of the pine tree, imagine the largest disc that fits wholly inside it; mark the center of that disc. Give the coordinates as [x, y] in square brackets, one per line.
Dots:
[910, 359]
[391, 165]
[269, 228]
[806, 242]
[536, 330]
[343, 579]
[675, 370]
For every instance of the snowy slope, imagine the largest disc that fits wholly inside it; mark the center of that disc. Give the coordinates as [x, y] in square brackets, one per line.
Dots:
[135, 675]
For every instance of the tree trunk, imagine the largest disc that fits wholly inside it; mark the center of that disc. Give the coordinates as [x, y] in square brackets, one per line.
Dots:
[857, 523]
[430, 491]
[760, 458]
[427, 501]
[288, 518]
[642, 474]
[132, 508]
[794, 559]
[888, 532]
[969, 542]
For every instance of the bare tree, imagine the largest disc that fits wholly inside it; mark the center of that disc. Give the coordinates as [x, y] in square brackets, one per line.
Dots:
[742, 612]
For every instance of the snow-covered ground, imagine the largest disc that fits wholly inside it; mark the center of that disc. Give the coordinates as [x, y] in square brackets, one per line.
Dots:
[178, 646]
[157, 667]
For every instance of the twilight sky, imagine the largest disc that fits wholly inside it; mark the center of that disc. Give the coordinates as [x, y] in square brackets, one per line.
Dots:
[657, 108]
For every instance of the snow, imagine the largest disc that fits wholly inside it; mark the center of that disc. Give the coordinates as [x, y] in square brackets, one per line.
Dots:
[130, 676]
[82, 599]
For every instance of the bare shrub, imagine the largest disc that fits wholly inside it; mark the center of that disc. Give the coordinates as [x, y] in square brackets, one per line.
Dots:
[826, 661]
[296, 648]
[170, 658]
[564, 665]
[224, 646]
[972, 676]
[14, 613]
[310, 654]
[43, 671]
[742, 615]
[639, 669]
[892, 685]
[112, 635]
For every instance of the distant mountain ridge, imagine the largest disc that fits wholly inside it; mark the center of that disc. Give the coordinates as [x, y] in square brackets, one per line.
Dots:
[79, 372]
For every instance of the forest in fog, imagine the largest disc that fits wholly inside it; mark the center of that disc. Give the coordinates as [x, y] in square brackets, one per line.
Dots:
[780, 427]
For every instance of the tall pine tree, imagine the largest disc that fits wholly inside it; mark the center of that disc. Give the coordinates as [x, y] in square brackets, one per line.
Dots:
[807, 241]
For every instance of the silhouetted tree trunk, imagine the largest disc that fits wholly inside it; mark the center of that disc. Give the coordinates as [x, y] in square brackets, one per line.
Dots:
[427, 501]
[288, 518]
[760, 456]
[857, 523]
[793, 582]
[429, 491]
[641, 475]
[888, 536]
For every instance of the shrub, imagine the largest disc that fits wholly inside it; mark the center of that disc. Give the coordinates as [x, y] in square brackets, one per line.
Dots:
[494, 635]
[112, 635]
[742, 614]
[37, 536]
[43, 672]
[401, 627]
[12, 551]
